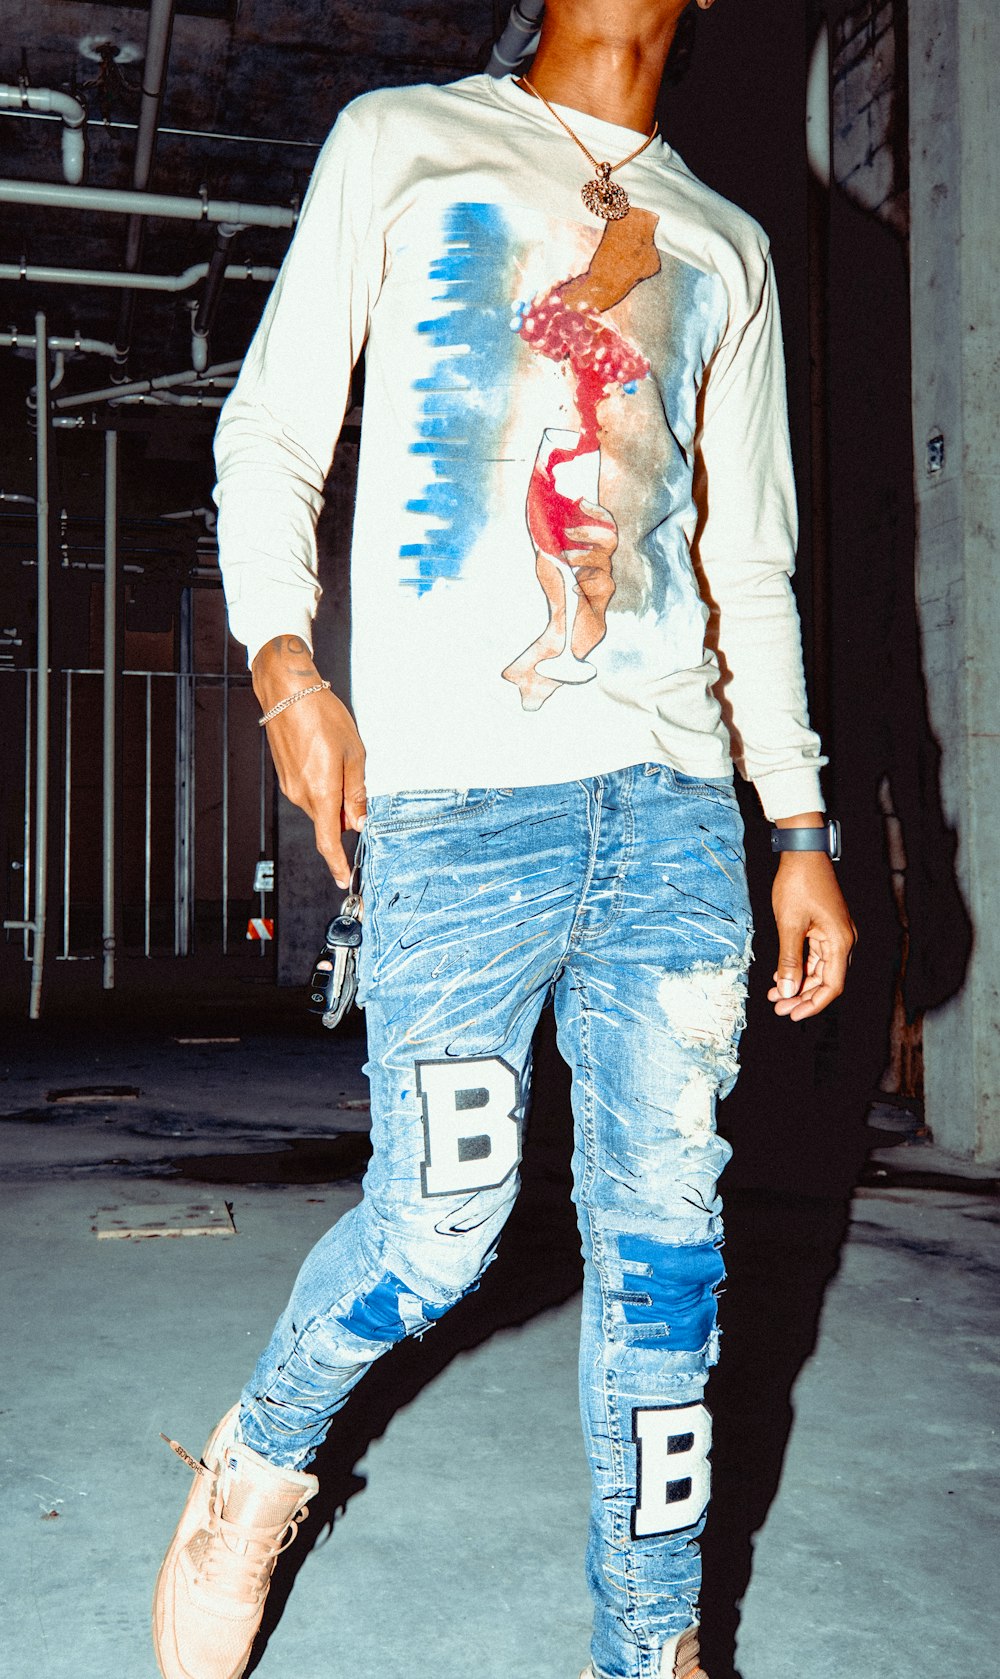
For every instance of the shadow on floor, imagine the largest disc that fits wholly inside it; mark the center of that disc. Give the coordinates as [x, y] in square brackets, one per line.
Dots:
[538, 1267]
[782, 1250]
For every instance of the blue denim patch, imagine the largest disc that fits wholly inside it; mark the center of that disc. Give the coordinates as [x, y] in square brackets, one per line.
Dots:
[375, 1316]
[676, 1287]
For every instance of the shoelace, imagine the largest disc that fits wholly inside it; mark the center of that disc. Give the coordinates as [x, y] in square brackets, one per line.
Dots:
[228, 1561]
[230, 1566]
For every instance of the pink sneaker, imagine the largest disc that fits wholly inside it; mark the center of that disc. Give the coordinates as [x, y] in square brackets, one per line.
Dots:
[241, 1514]
[679, 1658]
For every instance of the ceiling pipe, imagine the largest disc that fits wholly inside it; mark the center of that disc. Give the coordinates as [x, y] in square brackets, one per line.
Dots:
[154, 75]
[50, 102]
[41, 825]
[70, 346]
[164, 399]
[519, 38]
[53, 196]
[185, 133]
[42, 275]
[214, 282]
[141, 387]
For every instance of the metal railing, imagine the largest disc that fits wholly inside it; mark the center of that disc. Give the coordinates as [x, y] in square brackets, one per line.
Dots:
[169, 870]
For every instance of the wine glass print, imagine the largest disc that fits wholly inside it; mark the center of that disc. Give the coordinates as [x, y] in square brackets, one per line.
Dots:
[570, 531]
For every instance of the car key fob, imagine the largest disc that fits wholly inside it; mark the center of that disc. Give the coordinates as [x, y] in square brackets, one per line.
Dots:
[334, 983]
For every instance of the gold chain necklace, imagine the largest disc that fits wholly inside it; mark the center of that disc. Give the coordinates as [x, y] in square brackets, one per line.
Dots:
[602, 196]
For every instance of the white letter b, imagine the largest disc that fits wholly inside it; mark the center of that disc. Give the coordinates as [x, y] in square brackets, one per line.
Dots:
[471, 1128]
[672, 1443]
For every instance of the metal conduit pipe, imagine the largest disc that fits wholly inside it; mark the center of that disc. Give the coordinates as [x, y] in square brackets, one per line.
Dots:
[164, 399]
[519, 39]
[188, 133]
[69, 346]
[52, 195]
[110, 695]
[154, 74]
[42, 658]
[214, 281]
[141, 387]
[53, 103]
[116, 281]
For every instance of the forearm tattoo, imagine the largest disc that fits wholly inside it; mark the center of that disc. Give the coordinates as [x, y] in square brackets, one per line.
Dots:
[295, 656]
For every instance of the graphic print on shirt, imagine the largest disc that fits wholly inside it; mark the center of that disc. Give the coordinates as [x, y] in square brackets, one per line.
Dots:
[559, 376]
[574, 536]
[462, 398]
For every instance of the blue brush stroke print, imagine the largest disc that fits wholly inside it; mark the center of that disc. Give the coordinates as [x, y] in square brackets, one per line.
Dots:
[698, 305]
[463, 413]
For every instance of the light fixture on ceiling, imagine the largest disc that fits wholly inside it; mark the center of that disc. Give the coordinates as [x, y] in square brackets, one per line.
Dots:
[99, 49]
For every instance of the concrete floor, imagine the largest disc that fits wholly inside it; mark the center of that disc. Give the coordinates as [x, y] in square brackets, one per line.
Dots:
[456, 1488]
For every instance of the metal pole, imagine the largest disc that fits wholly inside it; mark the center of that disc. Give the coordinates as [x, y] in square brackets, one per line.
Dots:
[183, 775]
[67, 812]
[109, 719]
[148, 827]
[28, 751]
[42, 659]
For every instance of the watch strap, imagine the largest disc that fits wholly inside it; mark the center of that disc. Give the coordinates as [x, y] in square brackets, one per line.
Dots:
[826, 838]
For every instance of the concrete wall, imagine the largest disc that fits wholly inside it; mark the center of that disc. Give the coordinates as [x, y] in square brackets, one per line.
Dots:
[955, 191]
[867, 135]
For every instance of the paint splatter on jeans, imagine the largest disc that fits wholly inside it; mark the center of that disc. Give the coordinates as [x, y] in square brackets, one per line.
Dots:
[624, 896]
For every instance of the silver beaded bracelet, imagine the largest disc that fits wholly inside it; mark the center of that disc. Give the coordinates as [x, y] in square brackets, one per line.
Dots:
[282, 705]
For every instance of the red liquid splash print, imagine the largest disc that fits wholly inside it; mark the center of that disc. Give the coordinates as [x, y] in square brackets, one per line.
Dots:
[599, 358]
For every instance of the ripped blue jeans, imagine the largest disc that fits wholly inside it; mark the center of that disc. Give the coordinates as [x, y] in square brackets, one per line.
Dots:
[624, 896]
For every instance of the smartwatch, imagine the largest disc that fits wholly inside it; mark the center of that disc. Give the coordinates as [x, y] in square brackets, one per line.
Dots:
[826, 838]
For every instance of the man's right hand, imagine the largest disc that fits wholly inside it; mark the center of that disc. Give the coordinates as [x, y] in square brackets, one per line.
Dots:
[316, 748]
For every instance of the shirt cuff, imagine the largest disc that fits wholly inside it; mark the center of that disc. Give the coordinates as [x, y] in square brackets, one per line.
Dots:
[290, 618]
[789, 792]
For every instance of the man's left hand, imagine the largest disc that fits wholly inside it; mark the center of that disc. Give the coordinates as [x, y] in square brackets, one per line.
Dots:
[812, 916]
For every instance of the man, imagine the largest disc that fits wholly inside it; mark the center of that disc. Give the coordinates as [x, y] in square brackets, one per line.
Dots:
[573, 539]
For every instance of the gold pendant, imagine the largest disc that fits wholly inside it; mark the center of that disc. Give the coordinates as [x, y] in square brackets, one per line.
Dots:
[604, 197]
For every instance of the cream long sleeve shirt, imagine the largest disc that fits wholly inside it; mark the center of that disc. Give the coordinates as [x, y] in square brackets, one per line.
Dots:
[575, 521]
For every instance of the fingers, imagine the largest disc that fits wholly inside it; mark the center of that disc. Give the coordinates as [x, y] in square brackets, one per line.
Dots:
[823, 980]
[355, 800]
[329, 842]
[788, 973]
[810, 911]
[811, 1000]
[595, 512]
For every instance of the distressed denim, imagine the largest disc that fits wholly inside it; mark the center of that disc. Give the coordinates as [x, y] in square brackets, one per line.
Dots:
[623, 896]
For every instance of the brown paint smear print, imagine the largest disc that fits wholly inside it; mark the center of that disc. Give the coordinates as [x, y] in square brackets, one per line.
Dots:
[575, 537]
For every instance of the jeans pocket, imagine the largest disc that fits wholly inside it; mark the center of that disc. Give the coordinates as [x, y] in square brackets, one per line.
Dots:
[706, 786]
[405, 813]
[718, 787]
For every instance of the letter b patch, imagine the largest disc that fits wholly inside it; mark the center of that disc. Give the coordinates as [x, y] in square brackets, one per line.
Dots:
[672, 1444]
[472, 1131]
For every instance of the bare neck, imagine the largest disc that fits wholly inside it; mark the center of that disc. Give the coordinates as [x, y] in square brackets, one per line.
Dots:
[614, 76]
